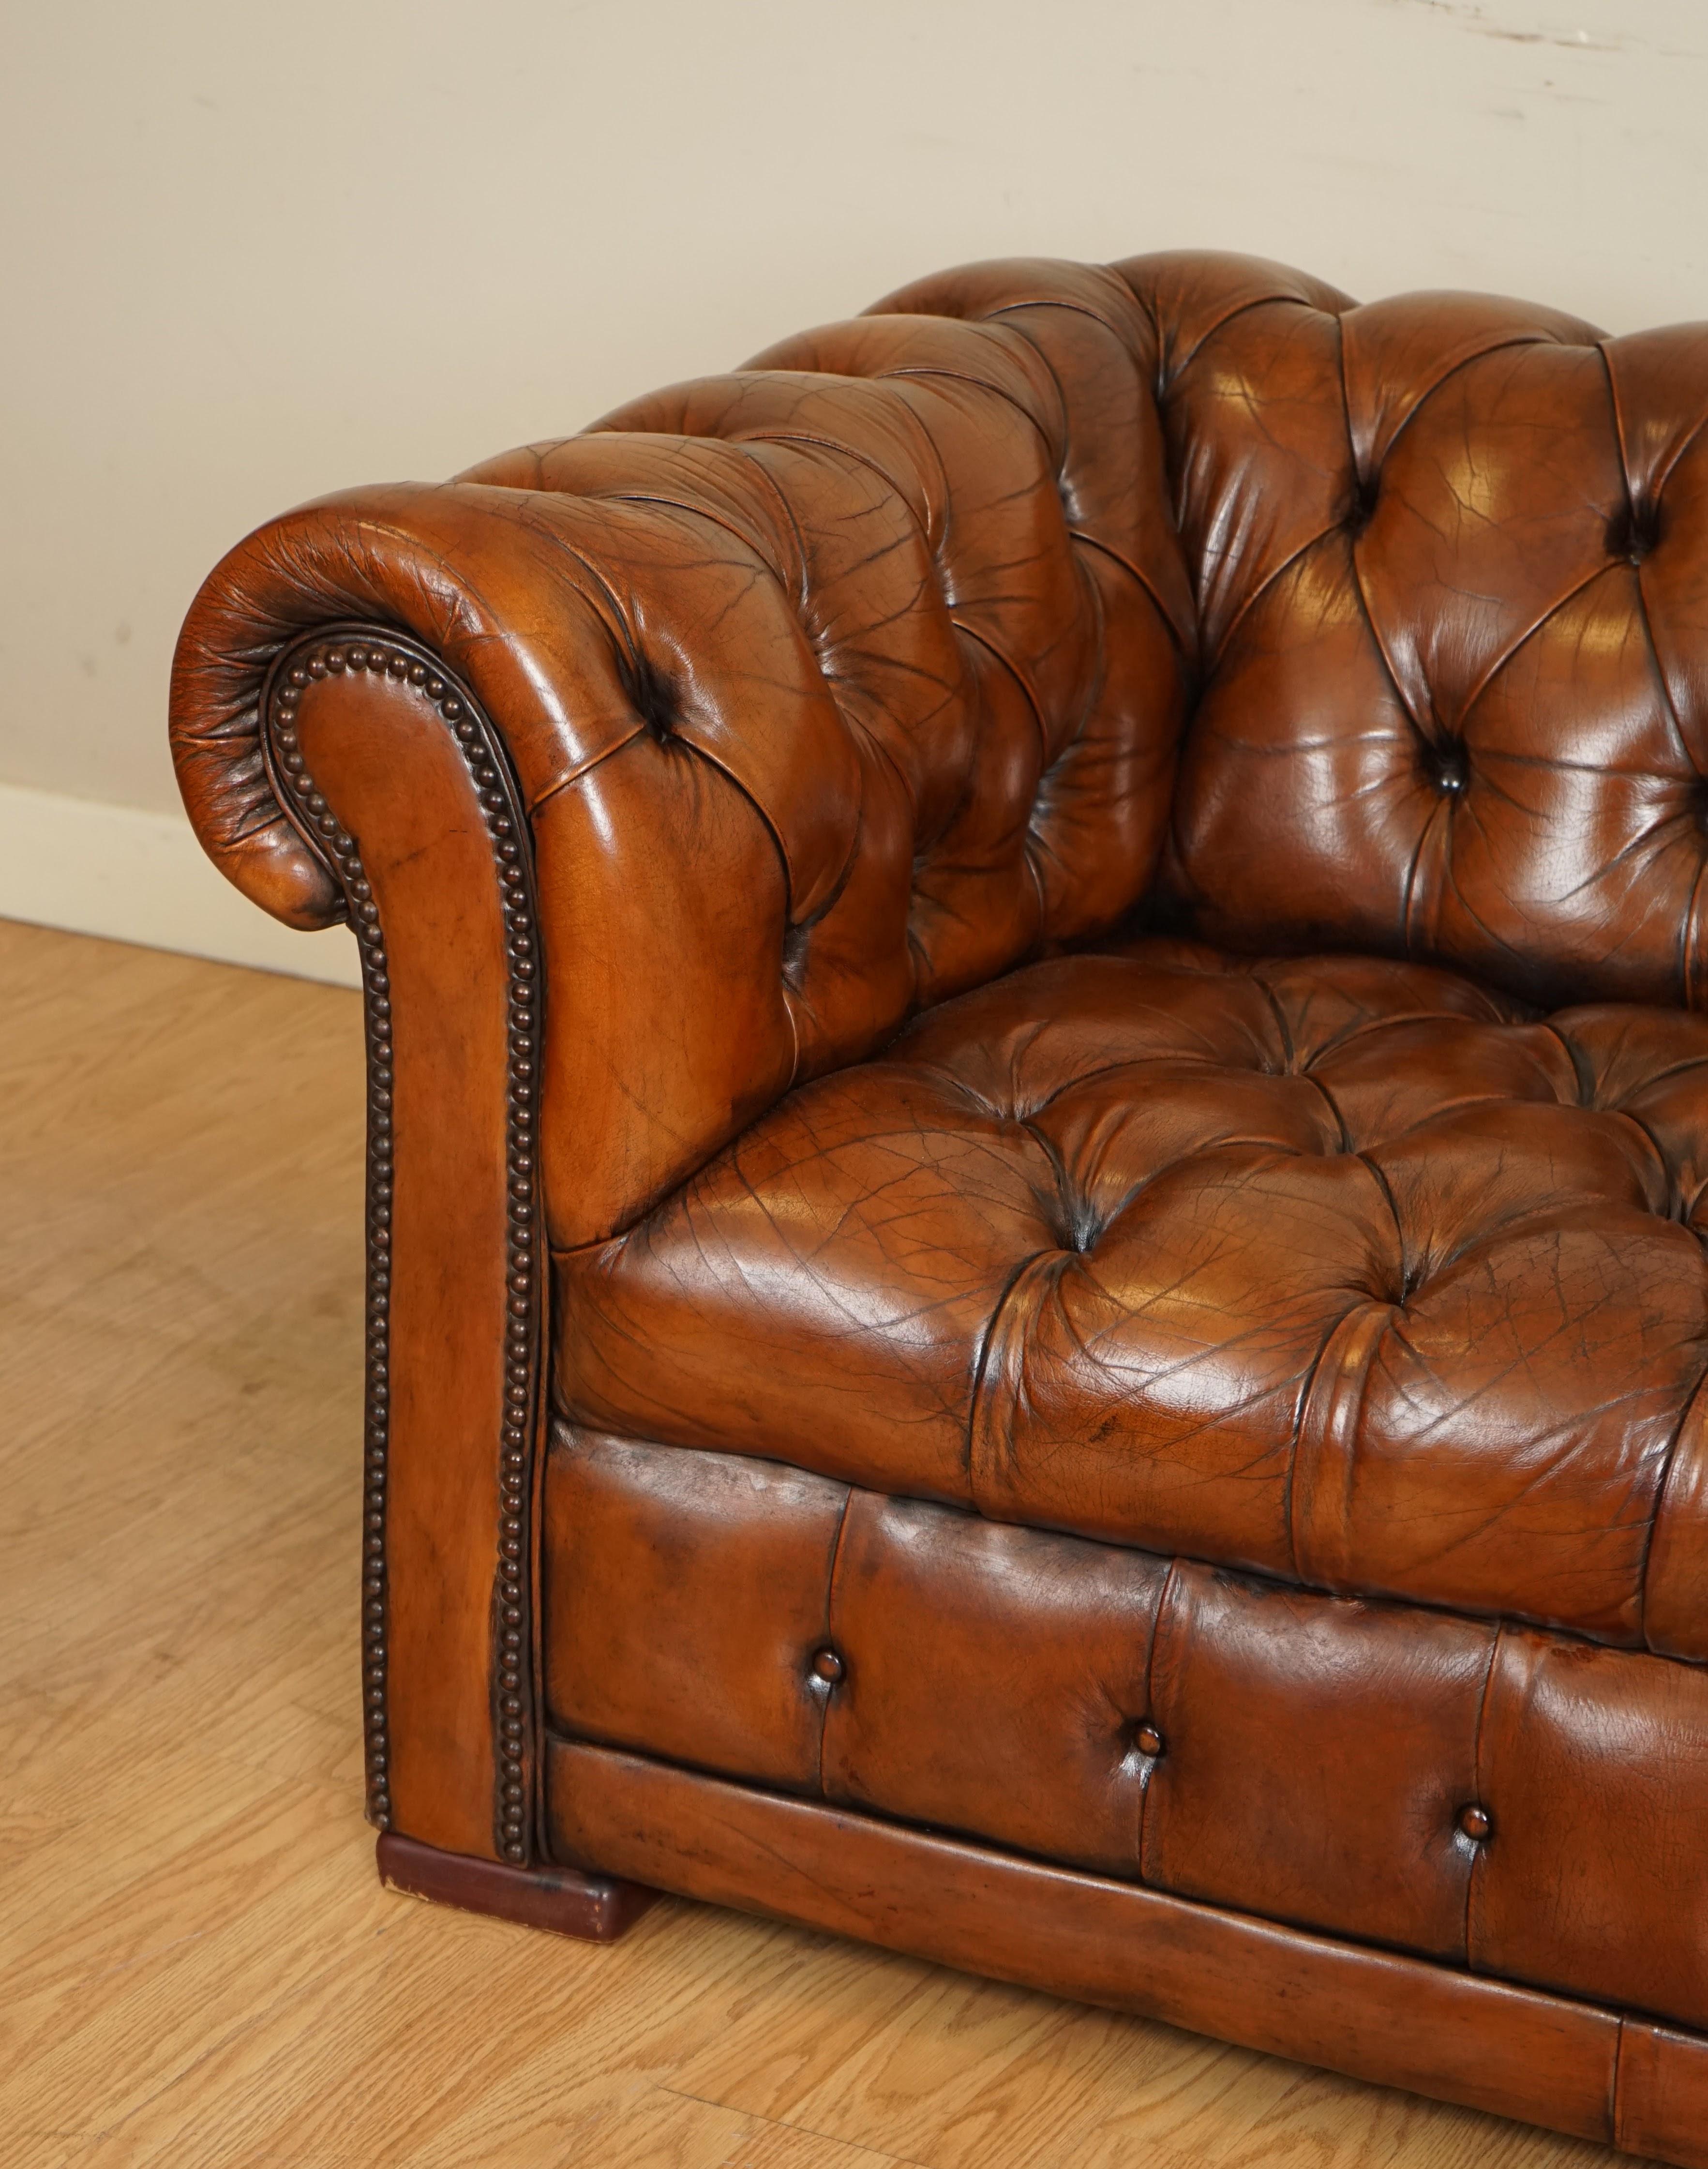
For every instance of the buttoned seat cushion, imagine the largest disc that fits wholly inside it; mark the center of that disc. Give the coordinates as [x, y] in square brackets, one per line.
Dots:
[1348, 1271]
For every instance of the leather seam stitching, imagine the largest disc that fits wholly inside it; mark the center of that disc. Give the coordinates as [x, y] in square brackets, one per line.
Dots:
[1471, 1880]
[1167, 379]
[1695, 1395]
[975, 1405]
[1017, 331]
[1170, 1583]
[1359, 477]
[1043, 301]
[582, 771]
[1140, 579]
[1642, 600]
[829, 1622]
[1687, 943]
[1621, 437]
[1691, 972]
[1615, 2091]
[856, 457]
[1212, 662]
[922, 376]
[1289, 1048]
[1580, 1067]
[711, 515]
[971, 632]
[744, 444]
[1508, 345]
[1307, 1387]
[1537, 625]
[1408, 901]
[1664, 475]
[403, 660]
[778, 498]
[1362, 1156]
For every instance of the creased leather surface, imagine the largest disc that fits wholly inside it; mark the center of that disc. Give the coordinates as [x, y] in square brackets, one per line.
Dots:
[833, 687]
[850, 680]
[1450, 554]
[1305, 1758]
[1346, 1270]
[1345, 1279]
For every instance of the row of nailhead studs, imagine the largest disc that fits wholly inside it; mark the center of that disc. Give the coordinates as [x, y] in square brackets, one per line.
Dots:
[512, 1802]
[830, 1669]
[365, 917]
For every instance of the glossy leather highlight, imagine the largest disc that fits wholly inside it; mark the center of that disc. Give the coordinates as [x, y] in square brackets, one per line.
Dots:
[1510, 1802]
[1347, 1270]
[1117, 860]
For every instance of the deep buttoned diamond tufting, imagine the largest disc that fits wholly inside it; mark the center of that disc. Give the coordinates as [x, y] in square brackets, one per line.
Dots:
[1248, 1262]
[904, 631]
[1633, 531]
[1361, 511]
[1437, 517]
[651, 692]
[1450, 770]
[1227, 1422]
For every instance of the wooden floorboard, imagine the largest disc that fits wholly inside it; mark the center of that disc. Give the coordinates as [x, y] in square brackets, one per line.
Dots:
[197, 1964]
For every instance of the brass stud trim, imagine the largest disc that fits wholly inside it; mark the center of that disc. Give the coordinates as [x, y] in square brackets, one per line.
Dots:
[335, 652]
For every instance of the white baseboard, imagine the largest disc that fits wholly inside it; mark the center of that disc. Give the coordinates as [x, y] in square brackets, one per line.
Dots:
[114, 871]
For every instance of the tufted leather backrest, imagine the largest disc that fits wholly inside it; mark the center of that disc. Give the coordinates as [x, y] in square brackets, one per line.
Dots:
[833, 687]
[943, 654]
[850, 681]
[1450, 554]
[983, 562]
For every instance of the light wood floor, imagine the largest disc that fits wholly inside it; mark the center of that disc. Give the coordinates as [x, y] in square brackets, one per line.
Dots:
[197, 1966]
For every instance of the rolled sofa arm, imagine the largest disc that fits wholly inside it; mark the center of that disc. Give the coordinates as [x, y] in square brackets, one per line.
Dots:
[584, 631]
[656, 770]
[336, 698]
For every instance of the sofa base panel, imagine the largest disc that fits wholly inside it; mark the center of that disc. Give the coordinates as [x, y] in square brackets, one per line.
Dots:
[1374, 2015]
[596, 1909]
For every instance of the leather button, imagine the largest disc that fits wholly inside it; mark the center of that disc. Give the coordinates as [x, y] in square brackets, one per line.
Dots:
[1449, 767]
[1476, 1822]
[1362, 509]
[1634, 531]
[1147, 1739]
[827, 1667]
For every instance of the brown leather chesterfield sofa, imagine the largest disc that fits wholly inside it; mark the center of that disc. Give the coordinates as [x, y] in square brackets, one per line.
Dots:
[1038, 1157]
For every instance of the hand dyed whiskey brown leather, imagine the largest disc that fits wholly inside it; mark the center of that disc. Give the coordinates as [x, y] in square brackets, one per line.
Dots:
[1038, 1154]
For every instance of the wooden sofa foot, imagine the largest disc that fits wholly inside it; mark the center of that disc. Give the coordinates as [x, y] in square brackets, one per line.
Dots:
[596, 1909]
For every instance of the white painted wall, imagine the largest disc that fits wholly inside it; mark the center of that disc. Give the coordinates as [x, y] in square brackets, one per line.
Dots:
[252, 251]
